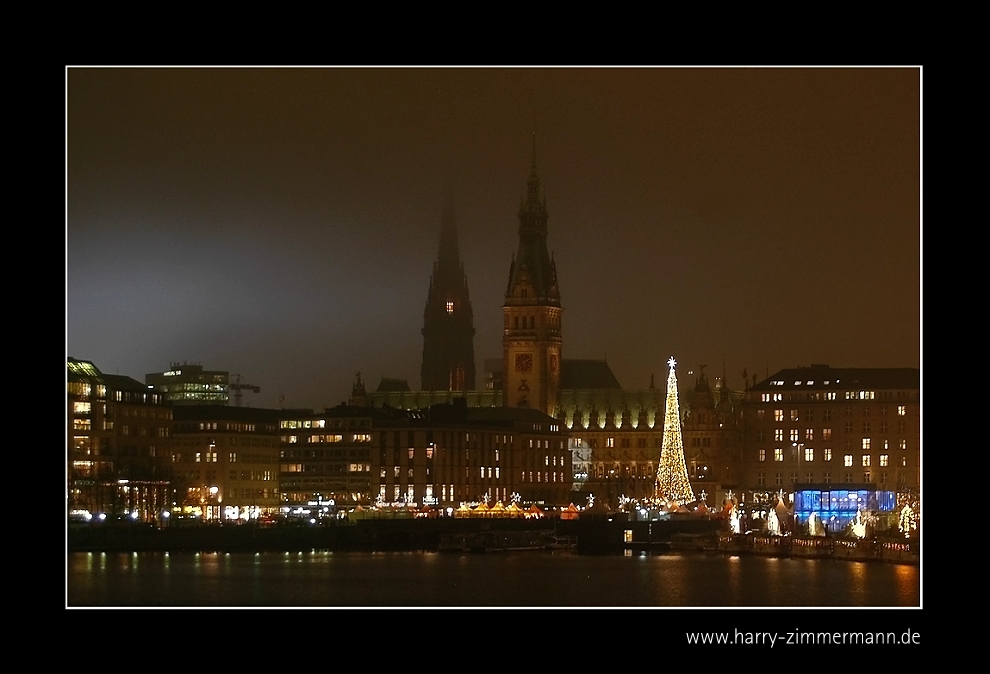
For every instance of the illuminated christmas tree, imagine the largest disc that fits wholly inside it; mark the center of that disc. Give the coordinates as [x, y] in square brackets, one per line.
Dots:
[672, 478]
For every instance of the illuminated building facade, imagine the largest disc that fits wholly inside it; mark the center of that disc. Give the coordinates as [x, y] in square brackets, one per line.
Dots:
[225, 461]
[531, 336]
[833, 426]
[441, 456]
[448, 321]
[616, 434]
[187, 384]
[118, 435]
[837, 505]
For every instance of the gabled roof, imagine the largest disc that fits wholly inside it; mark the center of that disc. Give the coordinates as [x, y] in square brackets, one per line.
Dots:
[388, 384]
[587, 374]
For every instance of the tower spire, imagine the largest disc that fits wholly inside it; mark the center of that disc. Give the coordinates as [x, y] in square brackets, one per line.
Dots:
[531, 339]
[448, 320]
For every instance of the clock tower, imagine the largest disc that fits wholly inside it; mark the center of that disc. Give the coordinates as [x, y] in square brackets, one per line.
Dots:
[531, 340]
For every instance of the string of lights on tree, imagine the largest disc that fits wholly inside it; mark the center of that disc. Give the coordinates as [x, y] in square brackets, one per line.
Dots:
[672, 476]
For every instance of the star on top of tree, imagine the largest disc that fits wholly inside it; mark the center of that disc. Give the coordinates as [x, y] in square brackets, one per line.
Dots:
[671, 362]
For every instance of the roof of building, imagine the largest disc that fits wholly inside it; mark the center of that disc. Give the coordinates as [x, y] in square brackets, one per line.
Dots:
[823, 377]
[389, 384]
[78, 370]
[587, 374]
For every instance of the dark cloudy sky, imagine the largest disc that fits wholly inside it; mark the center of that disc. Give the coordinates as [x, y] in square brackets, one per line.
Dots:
[283, 223]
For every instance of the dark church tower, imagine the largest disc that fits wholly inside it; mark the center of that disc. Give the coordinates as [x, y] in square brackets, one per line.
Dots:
[448, 322]
[531, 340]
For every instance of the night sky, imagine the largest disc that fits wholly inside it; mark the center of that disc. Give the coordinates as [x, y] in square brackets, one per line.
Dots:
[283, 223]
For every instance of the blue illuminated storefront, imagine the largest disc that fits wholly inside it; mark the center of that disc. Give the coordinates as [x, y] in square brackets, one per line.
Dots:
[837, 505]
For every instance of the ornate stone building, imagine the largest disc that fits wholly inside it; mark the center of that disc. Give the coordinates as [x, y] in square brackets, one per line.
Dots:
[531, 336]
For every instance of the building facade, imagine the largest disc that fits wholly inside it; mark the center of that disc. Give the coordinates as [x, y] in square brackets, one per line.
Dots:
[824, 425]
[118, 436]
[185, 384]
[441, 456]
[225, 461]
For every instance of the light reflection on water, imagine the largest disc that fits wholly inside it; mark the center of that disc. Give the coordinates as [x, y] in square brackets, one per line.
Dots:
[319, 578]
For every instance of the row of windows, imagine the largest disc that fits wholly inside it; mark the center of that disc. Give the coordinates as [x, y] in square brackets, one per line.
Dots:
[322, 423]
[321, 439]
[796, 434]
[826, 478]
[809, 414]
[253, 475]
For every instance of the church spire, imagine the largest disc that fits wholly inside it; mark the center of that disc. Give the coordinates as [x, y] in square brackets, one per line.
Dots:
[448, 320]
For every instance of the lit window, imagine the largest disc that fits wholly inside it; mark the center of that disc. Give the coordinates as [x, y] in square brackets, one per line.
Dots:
[826, 454]
[903, 444]
[809, 454]
[866, 476]
[778, 434]
[794, 435]
[794, 415]
[763, 455]
[778, 454]
[901, 410]
[809, 434]
[412, 453]
[847, 460]
[866, 443]
[778, 415]
[866, 460]
[884, 460]
[826, 434]
[450, 307]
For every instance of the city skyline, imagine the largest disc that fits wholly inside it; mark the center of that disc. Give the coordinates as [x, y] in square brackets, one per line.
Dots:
[282, 223]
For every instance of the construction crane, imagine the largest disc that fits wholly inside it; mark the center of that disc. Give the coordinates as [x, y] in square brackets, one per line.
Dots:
[236, 386]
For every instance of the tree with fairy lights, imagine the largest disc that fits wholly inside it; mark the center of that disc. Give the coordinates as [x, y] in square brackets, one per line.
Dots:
[672, 476]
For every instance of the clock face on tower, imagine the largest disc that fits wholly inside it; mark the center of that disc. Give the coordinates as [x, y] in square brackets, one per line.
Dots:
[524, 362]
